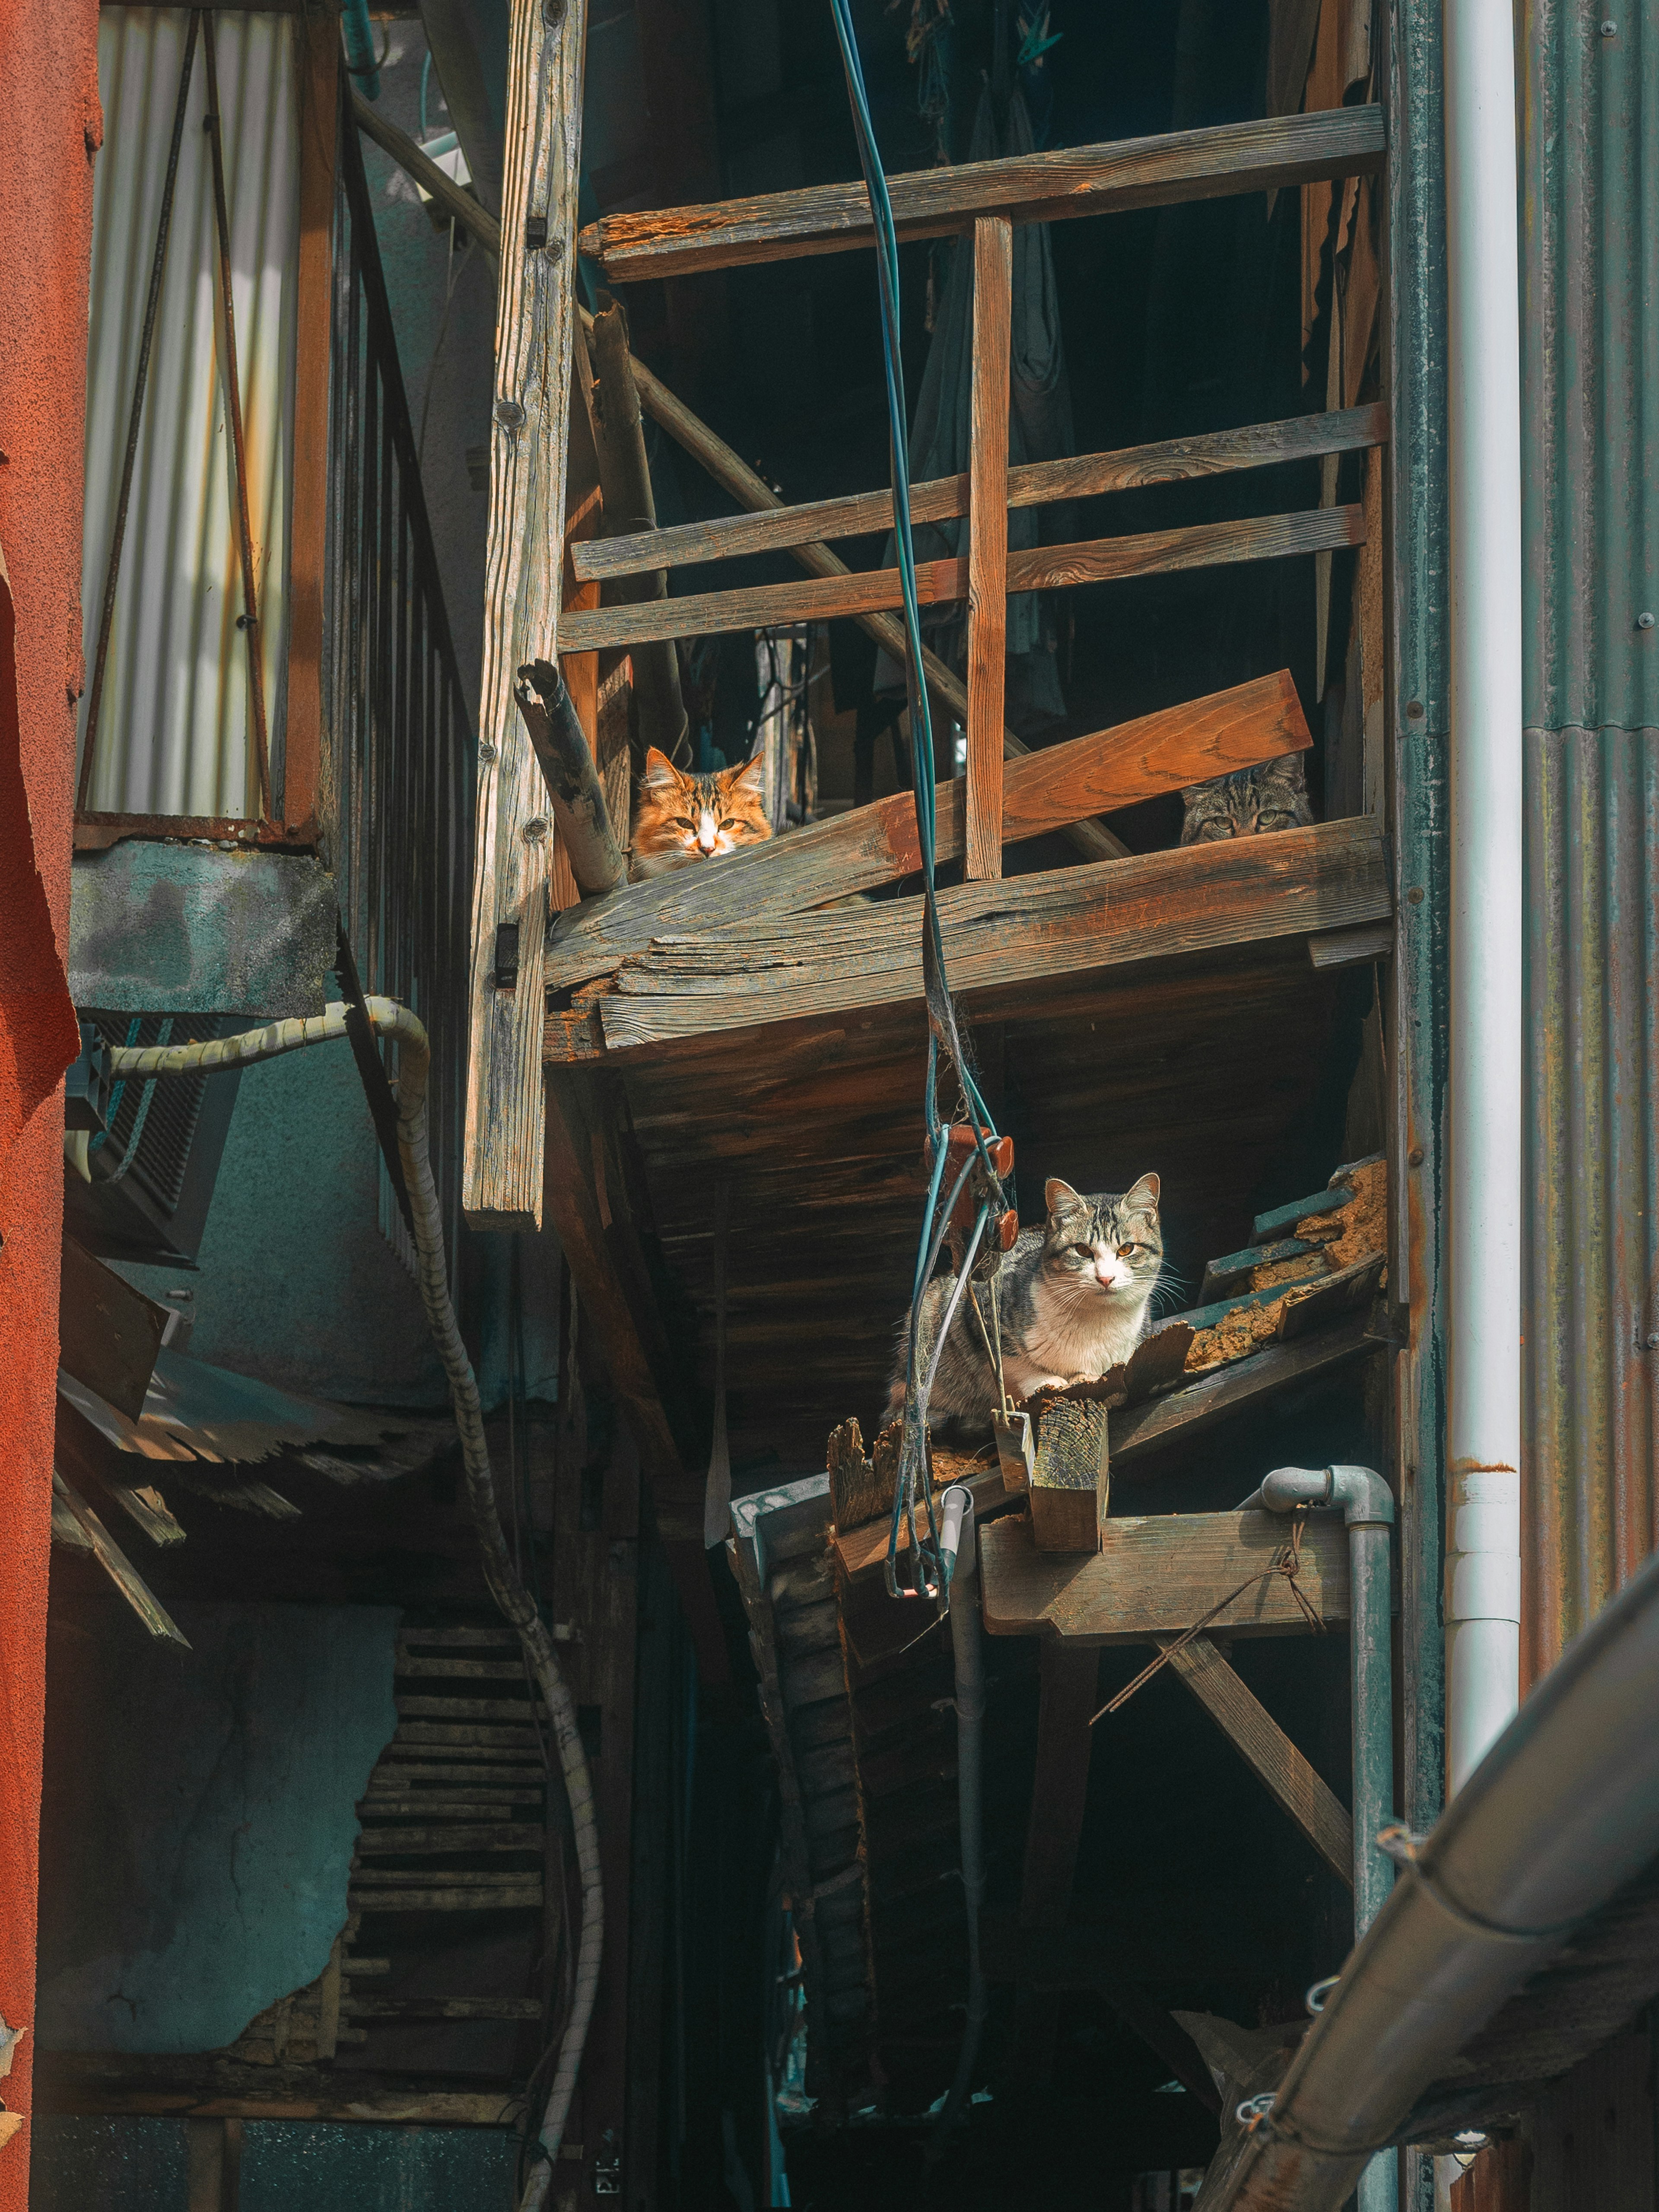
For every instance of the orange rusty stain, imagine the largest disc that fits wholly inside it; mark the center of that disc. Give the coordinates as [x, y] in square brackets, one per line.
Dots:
[1481, 1467]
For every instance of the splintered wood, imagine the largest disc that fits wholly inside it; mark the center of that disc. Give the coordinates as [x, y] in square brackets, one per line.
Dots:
[1332, 1262]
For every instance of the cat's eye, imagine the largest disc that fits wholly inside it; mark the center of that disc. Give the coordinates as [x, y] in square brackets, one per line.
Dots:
[728, 822]
[684, 822]
[1127, 1251]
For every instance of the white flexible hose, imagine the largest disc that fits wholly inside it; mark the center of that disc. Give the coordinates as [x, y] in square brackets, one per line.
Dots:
[516, 1604]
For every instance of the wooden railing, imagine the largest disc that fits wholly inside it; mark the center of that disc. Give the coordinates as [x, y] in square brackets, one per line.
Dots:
[398, 746]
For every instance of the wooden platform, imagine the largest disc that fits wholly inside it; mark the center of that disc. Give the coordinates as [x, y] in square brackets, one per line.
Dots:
[1158, 1575]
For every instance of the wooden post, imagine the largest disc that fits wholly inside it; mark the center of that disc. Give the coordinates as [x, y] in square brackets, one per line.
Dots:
[1059, 1790]
[502, 1170]
[1071, 1481]
[987, 543]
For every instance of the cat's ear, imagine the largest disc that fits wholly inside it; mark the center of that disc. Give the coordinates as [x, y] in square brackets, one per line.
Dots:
[750, 778]
[1061, 1200]
[1292, 770]
[1143, 1199]
[660, 773]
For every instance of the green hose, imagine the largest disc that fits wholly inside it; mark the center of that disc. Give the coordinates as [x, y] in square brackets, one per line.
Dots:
[220, 1055]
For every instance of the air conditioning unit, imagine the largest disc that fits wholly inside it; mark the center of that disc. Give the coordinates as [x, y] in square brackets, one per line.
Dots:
[142, 1155]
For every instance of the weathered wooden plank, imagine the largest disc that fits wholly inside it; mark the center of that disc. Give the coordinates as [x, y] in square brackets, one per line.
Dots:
[419, 1842]
[441, 2007]
[1033, 483]
[116, 1565]
[1030, 568]
[988, 545]
[501, 1155]
[1160, 1575]
[1139, 1432]
[1198, 898]
[502, 1897]
[1077, 180]
[107, 2083]
[1257, 1735]
[1137, 760]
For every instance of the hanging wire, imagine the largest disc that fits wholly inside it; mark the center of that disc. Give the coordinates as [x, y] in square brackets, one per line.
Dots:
[942, 1032]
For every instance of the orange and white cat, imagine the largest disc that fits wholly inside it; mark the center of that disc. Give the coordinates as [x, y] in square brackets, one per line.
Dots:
[679, 818]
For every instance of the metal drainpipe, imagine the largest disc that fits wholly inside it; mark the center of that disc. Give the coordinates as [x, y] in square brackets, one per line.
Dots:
[1367, 1506]
[959, 1556]
[1484, 1259]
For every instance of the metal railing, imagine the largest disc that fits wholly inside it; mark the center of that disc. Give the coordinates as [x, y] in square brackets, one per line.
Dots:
[399, 764]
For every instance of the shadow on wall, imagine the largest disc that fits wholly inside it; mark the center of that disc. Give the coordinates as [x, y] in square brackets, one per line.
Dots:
[200, 1814]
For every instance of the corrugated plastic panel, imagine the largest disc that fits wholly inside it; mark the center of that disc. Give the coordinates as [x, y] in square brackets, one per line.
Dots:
[173, 733]
[1590, 367]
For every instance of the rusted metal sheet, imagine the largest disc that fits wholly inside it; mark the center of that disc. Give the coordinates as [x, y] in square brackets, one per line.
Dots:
[1590, 367]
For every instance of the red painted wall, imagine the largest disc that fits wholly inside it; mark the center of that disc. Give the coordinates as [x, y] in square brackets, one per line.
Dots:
[49, 91]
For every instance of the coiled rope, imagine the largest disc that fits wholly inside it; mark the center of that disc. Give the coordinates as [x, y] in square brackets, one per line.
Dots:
[220, 1055]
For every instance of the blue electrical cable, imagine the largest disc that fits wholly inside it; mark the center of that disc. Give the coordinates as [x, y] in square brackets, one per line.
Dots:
[941, 1018]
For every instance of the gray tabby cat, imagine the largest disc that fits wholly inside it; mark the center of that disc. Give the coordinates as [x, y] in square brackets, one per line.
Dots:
[1073, 1299]
[1272, 796]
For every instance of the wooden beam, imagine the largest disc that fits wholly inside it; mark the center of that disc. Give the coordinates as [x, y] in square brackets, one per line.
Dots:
[1033, 483]
[1263, 1745]
[1033, 928]
[851, 852]
[594, 1196]
[987, 544]
[1054, 1830]
[108, 2082]
[502, 1146]
[1030, 568]
[1077, 180]
[1160, 1575]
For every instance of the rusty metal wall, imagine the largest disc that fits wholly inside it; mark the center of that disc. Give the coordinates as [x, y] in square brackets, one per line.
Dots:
[1590, 463]
[173, 735]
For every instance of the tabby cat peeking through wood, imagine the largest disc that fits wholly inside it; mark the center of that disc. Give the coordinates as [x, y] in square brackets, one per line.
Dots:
[1272, 795]
[681, 817]
[1073, 1299]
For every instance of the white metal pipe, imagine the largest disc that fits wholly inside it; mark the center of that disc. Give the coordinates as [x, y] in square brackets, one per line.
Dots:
[1483, 1191]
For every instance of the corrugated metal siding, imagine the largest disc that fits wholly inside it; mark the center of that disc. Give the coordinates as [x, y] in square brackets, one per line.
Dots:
[1590, 367]
[173, 734]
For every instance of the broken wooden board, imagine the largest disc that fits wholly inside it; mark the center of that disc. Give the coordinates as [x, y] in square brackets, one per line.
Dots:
[1070, 922]
[1030, 568]
[1109, 768]
[1033, 483]
[1235, 1327]
[1140, 1433]
[113, 1561]
[1160, 1575]
[1208, 163]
